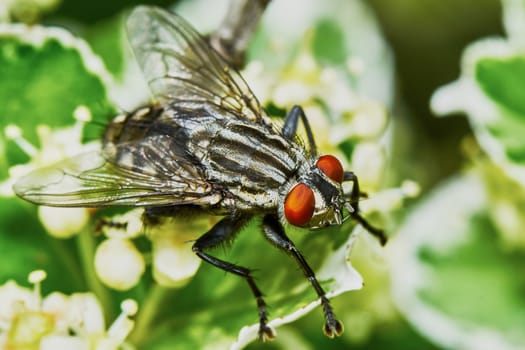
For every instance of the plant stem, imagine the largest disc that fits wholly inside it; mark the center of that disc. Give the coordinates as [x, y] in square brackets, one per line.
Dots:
[66, 258]
[86, 248]
[147, 312]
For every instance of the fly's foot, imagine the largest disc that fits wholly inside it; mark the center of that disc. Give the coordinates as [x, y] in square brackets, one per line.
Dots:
[265, 332]
[333, 328]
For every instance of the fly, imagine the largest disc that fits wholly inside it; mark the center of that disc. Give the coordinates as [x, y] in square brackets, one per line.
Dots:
[206, 145]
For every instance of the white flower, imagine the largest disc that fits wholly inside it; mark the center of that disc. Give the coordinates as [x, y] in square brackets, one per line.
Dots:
[389, 199]
[58, 321]
[366, 120]
[55, 146]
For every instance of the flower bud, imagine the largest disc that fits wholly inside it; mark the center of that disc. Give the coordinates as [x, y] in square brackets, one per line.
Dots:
[118, 263]
[63, 222]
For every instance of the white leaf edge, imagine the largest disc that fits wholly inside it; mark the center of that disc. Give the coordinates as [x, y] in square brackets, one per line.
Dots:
[37, 35]
[465, 95]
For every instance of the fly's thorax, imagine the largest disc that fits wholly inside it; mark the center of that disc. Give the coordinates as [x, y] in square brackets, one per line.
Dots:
[250, 162]
[312, 199]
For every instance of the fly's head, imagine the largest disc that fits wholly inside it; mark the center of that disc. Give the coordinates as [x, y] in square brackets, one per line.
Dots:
[317, 198]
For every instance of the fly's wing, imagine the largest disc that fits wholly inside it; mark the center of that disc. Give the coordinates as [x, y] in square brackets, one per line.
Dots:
[154, 169]
[182, 69]
[89, 180]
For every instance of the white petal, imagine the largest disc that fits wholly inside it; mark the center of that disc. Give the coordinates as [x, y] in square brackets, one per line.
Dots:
[12, 297]
[54, 342]
[86, 309]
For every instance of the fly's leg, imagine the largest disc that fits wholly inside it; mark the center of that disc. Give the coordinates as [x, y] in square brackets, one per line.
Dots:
[354, 200]
[224, 231]
[274, 232]
[290, 127]
[105, 223]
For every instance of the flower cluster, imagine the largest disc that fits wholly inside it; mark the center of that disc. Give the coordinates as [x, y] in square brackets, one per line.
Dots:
[58, 321]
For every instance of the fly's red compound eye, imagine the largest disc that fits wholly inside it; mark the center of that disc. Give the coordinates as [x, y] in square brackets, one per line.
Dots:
[299, 205]
[331, 167]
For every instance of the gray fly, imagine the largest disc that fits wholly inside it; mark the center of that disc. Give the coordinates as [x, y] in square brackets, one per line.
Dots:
[206, 145]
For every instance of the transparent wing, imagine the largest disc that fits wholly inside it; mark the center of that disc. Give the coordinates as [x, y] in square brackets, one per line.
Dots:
[181, 68]
[90, 181]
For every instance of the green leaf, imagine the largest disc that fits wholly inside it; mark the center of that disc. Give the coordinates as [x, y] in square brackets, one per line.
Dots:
[477, 270]
[106, 39]
[453, 271]
[328, 43]
[45, 75]
[503, 80]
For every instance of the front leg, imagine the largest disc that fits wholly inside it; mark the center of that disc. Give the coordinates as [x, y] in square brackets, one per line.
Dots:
[353, 208]
[223, 232]
[290, 127]
[274, 232]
